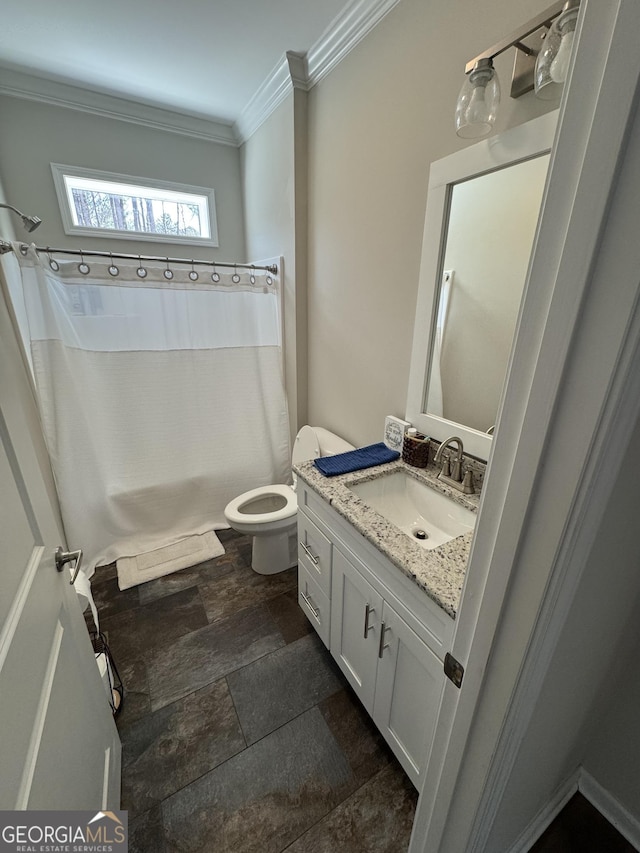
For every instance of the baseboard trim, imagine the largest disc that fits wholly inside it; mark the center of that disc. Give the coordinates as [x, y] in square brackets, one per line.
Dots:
[546, 815]
[609, 807]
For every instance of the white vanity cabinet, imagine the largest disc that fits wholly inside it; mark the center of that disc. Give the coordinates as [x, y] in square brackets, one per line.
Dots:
[388, 637]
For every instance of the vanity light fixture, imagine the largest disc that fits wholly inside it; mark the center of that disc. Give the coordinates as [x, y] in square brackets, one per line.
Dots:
[478, 101]
[543, 51]
[552, 63]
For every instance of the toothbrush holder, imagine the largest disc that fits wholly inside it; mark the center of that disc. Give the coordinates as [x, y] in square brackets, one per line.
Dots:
[415, 450]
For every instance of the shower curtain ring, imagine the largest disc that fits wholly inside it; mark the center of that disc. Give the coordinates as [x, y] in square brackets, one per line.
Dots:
[85, 269]
[252, 277]
[168, 274]
[214, 275]
[55, 266]
[193, 275]
[235, 278]
[113, 269]
[141, 271]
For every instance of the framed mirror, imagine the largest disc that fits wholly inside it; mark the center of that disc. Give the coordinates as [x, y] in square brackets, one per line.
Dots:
[483, 206]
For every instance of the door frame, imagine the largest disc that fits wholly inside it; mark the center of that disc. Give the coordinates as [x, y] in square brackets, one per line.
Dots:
[553, 446]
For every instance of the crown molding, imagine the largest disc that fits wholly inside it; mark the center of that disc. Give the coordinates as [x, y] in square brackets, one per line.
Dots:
[303, 71]
[290, 73]
[346, 31]
[294, 71]
[18, 84]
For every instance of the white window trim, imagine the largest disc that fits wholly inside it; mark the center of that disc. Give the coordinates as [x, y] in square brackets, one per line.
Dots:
[59, 171]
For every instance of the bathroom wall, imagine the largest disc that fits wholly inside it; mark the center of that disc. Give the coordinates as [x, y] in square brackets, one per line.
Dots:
[33, 135]
[586, 712]
[273, 163]
[613, 754]
[375, 124]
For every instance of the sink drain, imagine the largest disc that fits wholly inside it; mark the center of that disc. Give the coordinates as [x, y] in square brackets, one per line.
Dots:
[420, 534]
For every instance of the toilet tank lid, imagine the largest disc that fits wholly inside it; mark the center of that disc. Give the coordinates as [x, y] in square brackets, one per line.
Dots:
[306, 446]
[330, 443]
[312, 442]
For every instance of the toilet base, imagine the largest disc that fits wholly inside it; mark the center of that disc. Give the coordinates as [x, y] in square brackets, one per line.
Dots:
[274, 552]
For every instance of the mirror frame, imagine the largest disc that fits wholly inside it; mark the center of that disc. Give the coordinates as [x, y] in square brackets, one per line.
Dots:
[531, 139]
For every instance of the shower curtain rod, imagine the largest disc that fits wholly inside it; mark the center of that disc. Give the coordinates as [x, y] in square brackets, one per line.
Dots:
[7, 247]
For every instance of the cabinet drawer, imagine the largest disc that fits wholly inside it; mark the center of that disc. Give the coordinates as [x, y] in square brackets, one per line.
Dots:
[315, 604]
[312, 504]
[314, 553]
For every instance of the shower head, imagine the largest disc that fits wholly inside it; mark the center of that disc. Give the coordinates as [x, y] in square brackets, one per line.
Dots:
[29, 222]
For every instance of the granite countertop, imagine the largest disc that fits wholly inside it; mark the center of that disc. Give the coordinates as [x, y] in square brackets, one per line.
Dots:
[439, 571]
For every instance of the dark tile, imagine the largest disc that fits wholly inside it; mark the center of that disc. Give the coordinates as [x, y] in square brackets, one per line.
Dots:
[356, 734]
[278, 687]
[377, 818]
[146, 834]
[105, 573]
[185, 578]
[239, 547]
[266, 796]
[580, 828]
[289, 616]
[139, 633]
[229, 535]
[110, 599]
[170, 748]
[243, 588]
[210, 653]
[136, 692]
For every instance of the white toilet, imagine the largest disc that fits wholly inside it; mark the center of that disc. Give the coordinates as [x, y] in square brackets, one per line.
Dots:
[269, 513]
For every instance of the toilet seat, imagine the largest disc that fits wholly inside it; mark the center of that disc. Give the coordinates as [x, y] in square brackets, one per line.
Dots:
[234, 509]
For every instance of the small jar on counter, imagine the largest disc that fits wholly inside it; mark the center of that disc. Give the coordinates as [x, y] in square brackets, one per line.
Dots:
[415, 448]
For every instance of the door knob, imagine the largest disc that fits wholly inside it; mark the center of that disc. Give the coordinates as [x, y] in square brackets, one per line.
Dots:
[64, 557]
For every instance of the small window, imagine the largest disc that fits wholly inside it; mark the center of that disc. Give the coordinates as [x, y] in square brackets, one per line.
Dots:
[109, 205]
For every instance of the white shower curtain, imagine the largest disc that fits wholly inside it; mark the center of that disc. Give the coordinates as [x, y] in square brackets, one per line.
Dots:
[161, 400]
[435, 401]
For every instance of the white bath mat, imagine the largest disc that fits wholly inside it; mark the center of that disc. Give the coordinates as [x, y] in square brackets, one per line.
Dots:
[155, 564]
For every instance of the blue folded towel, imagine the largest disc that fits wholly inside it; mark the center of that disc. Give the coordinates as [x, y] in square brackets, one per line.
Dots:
[354, 460]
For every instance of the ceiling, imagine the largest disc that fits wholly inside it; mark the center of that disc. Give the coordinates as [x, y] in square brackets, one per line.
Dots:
[206, 58]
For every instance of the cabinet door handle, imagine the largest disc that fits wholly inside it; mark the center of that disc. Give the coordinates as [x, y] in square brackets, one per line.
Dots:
[367, 611]
[315, 560]
[383, 645]
[310, 605]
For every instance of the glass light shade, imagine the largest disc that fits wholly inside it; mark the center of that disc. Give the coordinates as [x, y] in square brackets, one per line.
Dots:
[552, 64]
[478, 101]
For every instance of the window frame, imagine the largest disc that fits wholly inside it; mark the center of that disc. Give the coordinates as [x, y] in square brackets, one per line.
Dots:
[59, 171]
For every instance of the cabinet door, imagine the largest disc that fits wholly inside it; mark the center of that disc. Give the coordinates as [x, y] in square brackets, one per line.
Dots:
[356, 613]
[409, 684]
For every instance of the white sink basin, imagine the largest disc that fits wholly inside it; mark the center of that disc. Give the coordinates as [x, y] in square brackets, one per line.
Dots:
[415, 508]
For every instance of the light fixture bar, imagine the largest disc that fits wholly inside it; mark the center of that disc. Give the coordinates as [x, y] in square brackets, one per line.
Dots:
[544, 19]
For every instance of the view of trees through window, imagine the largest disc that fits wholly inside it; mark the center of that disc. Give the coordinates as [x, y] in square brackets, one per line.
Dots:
[99, 209]
[119, 205]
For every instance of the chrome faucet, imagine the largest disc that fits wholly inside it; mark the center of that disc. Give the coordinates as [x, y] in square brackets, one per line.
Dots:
[451, 472]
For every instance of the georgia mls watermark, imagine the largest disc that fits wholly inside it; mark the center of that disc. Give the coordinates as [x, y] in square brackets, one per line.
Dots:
[63, 832]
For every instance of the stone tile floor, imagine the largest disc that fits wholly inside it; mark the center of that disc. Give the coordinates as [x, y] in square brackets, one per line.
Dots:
[239, 732]
[580, 828]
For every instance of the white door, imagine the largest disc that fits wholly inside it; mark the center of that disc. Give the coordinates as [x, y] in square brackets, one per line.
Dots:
[409, 683]
[543, 414]
[356, 614]
[59, 748]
